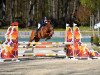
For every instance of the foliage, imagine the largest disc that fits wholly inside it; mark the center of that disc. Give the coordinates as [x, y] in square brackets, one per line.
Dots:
[91, 4]
[83, 15]
[95, 40]
[21, 21]
[77, 11]
[1, 42]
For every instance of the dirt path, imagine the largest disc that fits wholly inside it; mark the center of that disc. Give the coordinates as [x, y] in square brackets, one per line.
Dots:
[51, 67]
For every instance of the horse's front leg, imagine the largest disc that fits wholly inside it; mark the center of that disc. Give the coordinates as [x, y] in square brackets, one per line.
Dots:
[51, 33]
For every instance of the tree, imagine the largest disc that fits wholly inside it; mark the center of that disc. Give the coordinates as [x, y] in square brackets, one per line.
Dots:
[61, 10]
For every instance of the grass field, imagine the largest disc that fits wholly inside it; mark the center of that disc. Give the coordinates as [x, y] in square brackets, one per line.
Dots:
[82, 28]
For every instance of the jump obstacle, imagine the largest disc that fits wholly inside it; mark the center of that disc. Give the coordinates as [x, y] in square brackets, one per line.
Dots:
[73, 46]
[9, 49]
[50, 49]
[78, 50]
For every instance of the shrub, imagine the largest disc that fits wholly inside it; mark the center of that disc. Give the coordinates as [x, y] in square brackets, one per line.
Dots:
[1, 42]
[95, 40]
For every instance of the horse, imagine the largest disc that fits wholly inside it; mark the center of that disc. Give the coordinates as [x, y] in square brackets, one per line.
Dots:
[45, 32]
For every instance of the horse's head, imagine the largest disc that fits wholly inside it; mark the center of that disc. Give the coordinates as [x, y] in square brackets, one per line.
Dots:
[48, 24]
[49, 21]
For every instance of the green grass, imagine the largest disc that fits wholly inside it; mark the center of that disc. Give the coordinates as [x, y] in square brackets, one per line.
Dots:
[59, 29]
[1, 30]
[84, 28]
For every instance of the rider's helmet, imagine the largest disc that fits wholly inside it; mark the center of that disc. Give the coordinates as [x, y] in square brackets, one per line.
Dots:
[45, 20]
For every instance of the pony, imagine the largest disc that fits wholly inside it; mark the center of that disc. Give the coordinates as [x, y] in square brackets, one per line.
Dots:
[45, 32]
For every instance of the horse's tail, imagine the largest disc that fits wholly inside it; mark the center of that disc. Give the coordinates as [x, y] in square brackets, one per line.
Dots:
[31, 37]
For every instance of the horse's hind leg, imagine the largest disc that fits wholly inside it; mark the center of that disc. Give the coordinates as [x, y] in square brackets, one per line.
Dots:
[31, 37]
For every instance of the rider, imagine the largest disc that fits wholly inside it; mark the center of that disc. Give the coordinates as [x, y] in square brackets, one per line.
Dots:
[41, 24]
